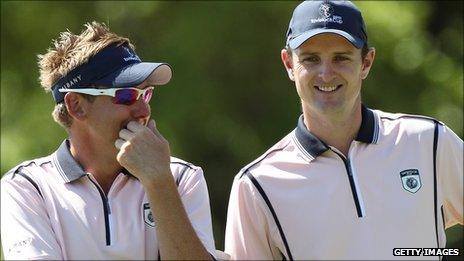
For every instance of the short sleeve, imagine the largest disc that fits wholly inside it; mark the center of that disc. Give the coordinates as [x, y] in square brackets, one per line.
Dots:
[26, 229]
[450, 175]
[194, 194]
[247, 233]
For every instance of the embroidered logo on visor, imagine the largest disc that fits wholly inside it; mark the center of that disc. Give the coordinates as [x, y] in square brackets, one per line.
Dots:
[411, 180]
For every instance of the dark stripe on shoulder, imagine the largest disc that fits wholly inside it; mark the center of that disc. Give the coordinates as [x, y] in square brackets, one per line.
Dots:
[435, 145]
[274, 215]
[184, 169]
[258, 161]
[179, 179]
[22, 174]
[182, 163]
[407, 116]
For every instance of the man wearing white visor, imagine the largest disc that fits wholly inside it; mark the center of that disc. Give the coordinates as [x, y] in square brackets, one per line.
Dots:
[111, 190]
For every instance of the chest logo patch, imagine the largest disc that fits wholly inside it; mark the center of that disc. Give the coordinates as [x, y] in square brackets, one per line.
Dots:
[148, 215]
[411, 180]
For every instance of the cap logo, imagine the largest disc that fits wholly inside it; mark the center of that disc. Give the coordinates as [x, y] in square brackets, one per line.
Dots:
[326, 11]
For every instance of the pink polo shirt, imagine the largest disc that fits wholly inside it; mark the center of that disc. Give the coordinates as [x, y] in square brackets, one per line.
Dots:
[399, 187]
[52, 209]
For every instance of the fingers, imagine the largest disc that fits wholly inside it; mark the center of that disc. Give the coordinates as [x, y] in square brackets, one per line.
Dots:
[132, 130]
[118, 143]
[152, 126]
[135, 126]
[126, 134]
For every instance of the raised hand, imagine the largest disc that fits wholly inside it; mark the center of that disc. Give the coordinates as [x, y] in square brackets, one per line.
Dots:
[144, 152]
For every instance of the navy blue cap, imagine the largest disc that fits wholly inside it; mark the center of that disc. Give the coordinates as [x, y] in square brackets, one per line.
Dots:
[115, 66]
[311, 18]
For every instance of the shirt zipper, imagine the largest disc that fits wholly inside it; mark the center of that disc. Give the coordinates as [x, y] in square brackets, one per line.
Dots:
[106, 211]
[349, 171]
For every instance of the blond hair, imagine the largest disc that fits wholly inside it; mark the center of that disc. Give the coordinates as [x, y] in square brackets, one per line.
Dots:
[69, 52]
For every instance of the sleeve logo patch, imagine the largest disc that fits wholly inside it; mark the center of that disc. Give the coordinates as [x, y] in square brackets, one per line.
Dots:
[148, 215]
[410, 179]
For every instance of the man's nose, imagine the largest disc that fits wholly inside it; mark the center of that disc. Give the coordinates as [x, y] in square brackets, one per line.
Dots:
[326, 72]
[141, 109]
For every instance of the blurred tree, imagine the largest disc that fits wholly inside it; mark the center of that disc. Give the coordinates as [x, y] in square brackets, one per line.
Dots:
[230, 98]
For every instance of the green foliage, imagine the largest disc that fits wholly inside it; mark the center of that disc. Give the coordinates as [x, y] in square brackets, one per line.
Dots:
[230, 98]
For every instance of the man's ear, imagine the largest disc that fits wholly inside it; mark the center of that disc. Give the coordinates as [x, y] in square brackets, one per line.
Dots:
[76, 105]
[367, 63]
[288, 63]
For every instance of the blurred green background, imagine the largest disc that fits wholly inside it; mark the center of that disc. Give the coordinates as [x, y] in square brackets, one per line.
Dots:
[229, 99]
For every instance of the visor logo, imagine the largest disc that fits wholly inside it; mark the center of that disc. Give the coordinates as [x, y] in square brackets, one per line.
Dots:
[130, 55]
[73, 81]
[410, 179]
[148, 215]
[325, 10]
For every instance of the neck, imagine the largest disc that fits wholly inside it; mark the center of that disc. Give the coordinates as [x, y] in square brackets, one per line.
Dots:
[337, 129]
[94, 159]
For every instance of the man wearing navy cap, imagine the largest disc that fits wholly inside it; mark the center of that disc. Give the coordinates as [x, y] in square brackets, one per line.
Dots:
[111, 190]
[348, 182]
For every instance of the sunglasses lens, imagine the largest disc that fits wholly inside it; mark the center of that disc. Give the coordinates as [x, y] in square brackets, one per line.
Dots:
[125, 96]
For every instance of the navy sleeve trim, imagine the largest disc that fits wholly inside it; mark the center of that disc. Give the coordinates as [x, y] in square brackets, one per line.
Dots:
[258, 160]
[22, 174]
[181, 175]
[417, 117]
[443, 218]
[212, 257]
[269, 205]
[435, 145]
[184, 169]
[182, 163]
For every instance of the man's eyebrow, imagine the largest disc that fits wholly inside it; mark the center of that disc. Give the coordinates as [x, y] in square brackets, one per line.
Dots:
[308, 53]
[345, 53]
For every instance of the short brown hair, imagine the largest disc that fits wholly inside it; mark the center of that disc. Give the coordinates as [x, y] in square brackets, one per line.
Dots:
[70, 51]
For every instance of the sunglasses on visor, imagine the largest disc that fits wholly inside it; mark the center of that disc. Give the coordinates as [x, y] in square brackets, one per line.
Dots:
[126, 96]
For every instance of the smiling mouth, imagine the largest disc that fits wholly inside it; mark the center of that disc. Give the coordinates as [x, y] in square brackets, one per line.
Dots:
[328, 88]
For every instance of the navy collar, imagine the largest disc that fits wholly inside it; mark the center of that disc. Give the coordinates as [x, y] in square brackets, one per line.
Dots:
[368, 133]
[68, 167]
